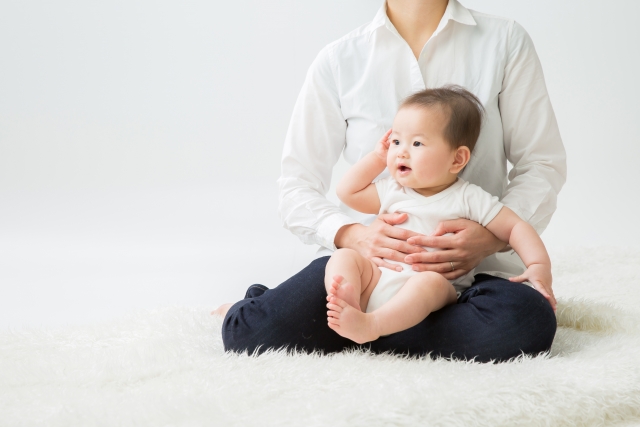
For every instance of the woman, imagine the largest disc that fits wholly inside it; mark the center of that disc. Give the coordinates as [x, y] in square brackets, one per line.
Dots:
[348, 100]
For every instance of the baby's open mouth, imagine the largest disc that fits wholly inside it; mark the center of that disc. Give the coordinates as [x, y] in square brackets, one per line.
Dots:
[404, 168]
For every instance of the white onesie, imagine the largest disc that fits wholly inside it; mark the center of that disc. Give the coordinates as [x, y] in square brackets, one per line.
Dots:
[461, 200]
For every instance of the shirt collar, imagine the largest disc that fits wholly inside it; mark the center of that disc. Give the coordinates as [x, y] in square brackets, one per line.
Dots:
[454, 11]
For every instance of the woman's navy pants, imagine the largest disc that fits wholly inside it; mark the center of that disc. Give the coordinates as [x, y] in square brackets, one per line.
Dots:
[494, 320]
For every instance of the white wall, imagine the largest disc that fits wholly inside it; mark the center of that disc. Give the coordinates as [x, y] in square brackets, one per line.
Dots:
[140, 142]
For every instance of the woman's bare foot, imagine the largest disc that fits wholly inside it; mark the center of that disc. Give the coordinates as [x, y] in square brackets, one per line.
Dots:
[344, 291]
[350, 322]
[222, 310]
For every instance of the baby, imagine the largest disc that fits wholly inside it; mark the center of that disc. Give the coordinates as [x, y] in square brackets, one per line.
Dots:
[431, 141]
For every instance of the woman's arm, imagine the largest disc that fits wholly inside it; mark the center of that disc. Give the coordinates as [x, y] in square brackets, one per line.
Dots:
[532, 140]
[314, 142]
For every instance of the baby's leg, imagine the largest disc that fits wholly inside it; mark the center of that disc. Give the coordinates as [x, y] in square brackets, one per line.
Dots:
[351, 277]
[423, 294]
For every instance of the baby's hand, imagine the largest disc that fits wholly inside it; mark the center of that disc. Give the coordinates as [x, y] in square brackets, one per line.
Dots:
[539, 275]
[382, 147]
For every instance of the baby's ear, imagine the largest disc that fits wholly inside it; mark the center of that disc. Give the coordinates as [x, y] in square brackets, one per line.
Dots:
[462, 156]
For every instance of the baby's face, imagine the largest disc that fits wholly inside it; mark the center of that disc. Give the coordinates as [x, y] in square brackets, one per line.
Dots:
[419, 156]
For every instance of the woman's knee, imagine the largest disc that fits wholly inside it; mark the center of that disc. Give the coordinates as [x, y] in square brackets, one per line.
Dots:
[280, 315]
[518, 312]
[535, 317]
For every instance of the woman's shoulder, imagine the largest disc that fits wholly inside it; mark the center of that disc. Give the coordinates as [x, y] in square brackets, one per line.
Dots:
[328, 53]
[488, 19]
[358, 37]
[499, 25]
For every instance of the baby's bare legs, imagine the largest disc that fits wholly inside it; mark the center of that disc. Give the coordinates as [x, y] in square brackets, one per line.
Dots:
[423, 294]
[351, 277]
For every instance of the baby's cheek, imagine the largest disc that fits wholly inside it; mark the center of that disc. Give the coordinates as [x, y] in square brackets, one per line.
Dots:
[389, 161]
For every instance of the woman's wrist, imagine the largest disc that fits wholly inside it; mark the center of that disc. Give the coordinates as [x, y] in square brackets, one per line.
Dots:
[347, 235]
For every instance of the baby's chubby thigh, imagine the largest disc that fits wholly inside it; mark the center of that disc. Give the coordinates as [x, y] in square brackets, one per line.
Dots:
[388, 284]
[376, 274]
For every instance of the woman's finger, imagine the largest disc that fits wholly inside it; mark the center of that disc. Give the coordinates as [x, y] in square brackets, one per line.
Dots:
[390, 254]
[400, 246]
[459, 271]
[382, 263]
[450, 226]
[434, 257]
[399, 233]
[441, 268]
[440, 242]
[393, 218]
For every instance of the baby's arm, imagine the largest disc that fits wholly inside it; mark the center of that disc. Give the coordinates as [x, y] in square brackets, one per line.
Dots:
[355, 188]
[508, 227]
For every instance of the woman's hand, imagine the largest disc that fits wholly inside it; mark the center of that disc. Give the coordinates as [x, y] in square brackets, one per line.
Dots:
[463, 250]
[382, 147]
[379, 240]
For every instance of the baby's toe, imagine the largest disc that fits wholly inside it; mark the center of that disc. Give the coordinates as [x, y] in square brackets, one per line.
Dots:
[334, 307]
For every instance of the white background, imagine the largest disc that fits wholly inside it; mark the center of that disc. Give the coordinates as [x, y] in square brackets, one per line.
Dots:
[140, 142]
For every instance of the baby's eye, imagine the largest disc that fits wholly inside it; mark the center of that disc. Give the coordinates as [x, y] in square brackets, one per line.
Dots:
[395, 142]
[417, 143]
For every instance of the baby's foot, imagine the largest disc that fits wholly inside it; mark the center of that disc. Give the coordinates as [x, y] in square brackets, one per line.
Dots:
[222, 310]
[350, 322]
[344, 291]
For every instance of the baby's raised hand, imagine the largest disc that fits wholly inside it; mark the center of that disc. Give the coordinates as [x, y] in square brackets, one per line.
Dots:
[539, 275]
[382, 147]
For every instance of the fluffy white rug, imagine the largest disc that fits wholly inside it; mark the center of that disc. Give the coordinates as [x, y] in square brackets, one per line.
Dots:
[168, 367]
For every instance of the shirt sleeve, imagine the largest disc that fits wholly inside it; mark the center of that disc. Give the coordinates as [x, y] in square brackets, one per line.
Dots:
[531, 137]
[481, 206]
[315, 139]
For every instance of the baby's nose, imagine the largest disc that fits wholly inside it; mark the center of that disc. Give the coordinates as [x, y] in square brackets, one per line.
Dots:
[403, 152]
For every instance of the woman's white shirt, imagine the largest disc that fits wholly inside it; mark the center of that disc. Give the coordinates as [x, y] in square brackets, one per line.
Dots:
[351, 94]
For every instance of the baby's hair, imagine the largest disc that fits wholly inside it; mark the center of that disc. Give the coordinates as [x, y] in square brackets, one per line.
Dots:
[464, 109]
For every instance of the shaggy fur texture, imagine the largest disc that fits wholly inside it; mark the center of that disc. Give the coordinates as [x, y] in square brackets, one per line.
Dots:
[168, 367]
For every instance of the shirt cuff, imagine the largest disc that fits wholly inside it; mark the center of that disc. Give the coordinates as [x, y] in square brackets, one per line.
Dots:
[329, 228]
